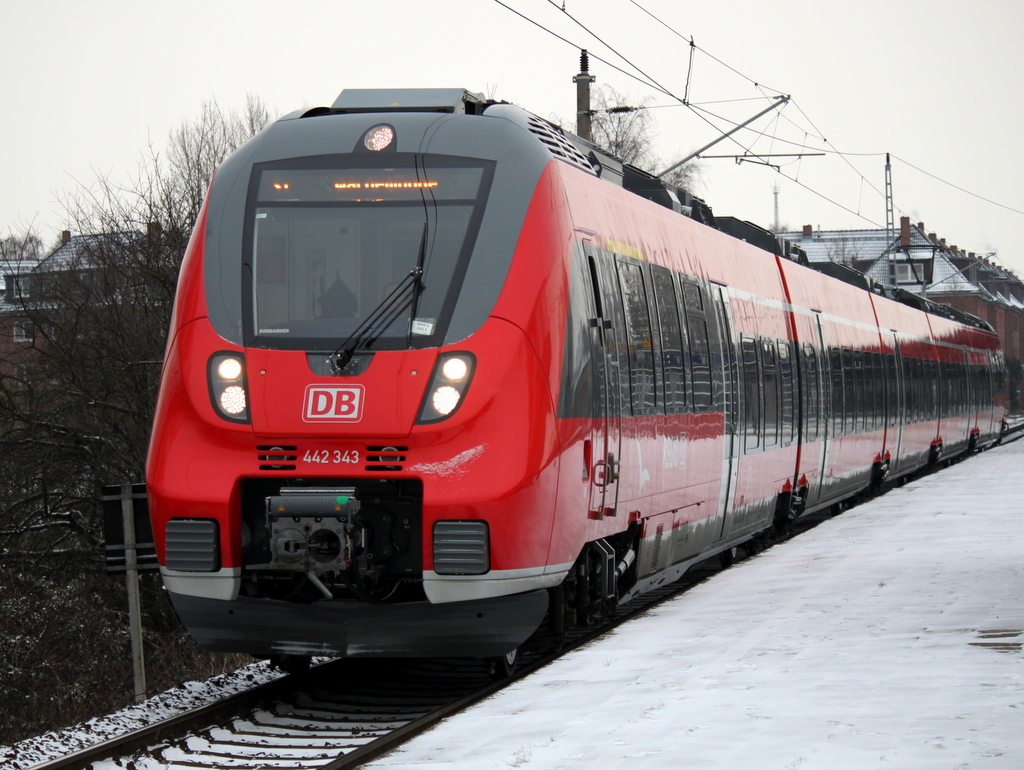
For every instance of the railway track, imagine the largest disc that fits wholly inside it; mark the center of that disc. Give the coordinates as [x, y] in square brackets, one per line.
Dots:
[344, 713]
[339, 714]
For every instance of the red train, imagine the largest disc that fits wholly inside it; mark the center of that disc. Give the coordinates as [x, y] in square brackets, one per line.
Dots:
[437, 368]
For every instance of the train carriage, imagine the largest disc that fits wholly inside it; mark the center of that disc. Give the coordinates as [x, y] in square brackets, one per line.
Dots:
[438, 369]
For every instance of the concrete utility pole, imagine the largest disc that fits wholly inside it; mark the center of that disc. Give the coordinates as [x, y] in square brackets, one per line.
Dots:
[583, 81]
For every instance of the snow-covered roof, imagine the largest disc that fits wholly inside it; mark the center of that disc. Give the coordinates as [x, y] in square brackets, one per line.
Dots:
[870, 251]
[79, 251]
[15, 267]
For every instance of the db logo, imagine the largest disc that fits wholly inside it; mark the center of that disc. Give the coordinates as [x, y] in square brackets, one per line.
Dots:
[324, 402]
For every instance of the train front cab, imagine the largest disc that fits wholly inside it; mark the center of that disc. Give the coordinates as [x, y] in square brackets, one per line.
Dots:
[417, 476]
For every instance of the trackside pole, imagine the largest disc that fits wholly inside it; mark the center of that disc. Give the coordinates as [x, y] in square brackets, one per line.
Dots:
[131, 577]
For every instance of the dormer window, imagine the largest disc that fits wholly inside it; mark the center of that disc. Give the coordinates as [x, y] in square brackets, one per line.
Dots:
[905, 273]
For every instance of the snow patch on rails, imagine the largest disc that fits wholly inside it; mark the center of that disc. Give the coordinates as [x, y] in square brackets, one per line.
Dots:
[172, 703]
[308, 721]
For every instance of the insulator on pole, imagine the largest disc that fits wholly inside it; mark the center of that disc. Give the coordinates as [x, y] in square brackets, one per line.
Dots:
[583, 111]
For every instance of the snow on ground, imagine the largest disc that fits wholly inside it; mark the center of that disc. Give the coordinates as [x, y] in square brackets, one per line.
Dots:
[190, 695]
[889, 636]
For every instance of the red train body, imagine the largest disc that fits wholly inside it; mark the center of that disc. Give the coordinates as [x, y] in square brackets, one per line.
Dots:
[567, 391]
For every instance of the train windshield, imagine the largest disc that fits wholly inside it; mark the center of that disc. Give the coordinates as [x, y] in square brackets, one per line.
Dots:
[329, 238]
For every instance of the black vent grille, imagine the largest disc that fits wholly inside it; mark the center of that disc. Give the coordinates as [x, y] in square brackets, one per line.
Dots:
[461, 548]
[385, 458]
[557, 144]
[193, 545]
[277, 458]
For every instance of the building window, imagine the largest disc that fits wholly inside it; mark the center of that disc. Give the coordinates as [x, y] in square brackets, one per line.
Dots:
[906, 273]
[24, 331]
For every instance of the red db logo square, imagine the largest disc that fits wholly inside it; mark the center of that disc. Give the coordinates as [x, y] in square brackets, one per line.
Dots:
[336, 404]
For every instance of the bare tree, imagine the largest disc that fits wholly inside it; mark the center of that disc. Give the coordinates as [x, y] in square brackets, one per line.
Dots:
[20, 248]
[843, 252]
[625, 130]
[81, 348]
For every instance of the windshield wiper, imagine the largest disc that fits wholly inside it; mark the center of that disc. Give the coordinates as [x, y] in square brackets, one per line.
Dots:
[381, 317]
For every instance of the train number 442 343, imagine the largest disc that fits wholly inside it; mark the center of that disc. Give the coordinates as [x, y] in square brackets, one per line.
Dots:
[330, 457]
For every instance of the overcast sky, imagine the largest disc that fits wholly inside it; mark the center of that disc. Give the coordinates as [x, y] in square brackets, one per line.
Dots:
[87, 87]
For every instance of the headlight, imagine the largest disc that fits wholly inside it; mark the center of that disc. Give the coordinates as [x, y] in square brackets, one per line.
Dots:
[226, 374]
[448, 385]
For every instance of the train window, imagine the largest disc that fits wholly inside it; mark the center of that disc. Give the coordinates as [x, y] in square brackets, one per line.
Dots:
[860, 386]
[946, 388]
[672, 367]
[965, 391]
[910, 404]
[639, 338]
[891, 392]
[809, 391]
[924, 385]
[700, 355]
[871, 390]
[692, 298]
[849, 394]
[921, 412]
[876, 393]
[787, 427]
[838, 392]
[933, 381]
[878, 390]
[751, 393]
[770, 389]
[329, 238]
[614, 334]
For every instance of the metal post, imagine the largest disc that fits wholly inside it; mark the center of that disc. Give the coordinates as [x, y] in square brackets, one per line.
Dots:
[890, 223]
[131, 577]
[583, 81]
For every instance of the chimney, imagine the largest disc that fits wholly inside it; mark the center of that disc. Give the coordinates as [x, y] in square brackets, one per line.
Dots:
[955, 250]
[904, 231]
[808, 231]
[920, 226]
[933, 238]
[65, 237]
[942, 241]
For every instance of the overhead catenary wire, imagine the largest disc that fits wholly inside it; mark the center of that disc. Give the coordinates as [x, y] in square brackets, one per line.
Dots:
[646, 80]
[957, 187]
[812, 137]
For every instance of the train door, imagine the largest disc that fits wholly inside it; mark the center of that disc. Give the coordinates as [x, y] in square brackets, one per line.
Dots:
[895, 407]
[727, 373]
[609, 345]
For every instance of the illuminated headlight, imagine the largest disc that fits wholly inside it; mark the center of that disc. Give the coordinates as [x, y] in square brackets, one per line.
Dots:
[451, 378]
[226, 373]
[230, 369]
